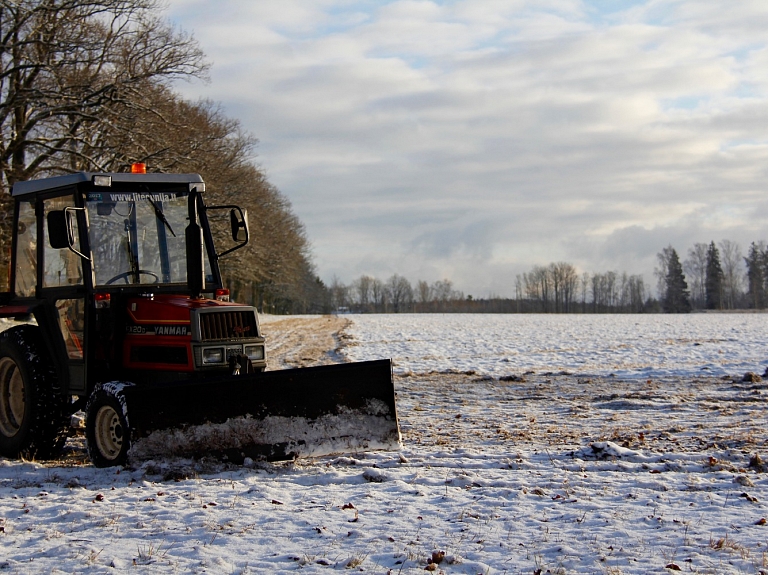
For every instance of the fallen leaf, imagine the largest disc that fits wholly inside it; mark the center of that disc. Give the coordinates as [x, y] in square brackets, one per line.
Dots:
[673, 566]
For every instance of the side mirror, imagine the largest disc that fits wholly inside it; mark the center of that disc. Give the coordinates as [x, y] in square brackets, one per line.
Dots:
[61, 232]
[238, 221]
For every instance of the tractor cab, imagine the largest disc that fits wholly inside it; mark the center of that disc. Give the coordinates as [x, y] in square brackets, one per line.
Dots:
[122, 257]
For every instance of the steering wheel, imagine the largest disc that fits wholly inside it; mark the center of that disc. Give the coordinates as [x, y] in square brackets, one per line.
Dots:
[126, 275]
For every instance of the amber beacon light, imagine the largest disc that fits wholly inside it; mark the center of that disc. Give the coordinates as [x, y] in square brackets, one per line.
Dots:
[138, 168]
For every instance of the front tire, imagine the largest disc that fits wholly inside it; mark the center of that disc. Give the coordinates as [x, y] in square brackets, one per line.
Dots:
[33, 418]
[107, 431]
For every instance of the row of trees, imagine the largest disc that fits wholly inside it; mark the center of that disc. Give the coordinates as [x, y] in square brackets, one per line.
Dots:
[559, 288]
[87, 85]
[713, 277]
[717, 282]
[396, 295]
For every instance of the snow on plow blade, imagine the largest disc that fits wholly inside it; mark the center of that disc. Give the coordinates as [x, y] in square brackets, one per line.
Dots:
[274, 415]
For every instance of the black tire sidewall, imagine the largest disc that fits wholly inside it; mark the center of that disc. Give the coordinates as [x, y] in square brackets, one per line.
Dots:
[43, 428]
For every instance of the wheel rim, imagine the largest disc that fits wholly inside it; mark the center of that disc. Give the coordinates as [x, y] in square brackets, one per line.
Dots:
[12, 404]
[108, 432]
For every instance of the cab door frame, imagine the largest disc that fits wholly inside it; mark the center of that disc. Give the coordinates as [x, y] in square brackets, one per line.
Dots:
[64, 309]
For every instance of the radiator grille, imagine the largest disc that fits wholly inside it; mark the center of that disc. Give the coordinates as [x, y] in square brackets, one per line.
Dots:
[227, 325]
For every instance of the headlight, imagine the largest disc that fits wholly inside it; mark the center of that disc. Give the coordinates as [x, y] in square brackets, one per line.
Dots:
[213, 355]
[254, 352]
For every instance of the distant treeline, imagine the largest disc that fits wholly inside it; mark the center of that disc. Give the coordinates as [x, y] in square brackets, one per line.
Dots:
[713, 277]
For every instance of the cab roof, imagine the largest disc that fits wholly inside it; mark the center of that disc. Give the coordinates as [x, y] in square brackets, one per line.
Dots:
[47, 184]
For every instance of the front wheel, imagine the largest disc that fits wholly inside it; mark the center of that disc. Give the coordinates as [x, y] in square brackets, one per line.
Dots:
[106, 427]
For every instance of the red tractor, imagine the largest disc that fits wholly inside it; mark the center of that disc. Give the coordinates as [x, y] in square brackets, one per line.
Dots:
[115, 280]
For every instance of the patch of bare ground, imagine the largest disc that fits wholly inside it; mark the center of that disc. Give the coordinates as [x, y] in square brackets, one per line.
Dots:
[302, 341]
[561, 412]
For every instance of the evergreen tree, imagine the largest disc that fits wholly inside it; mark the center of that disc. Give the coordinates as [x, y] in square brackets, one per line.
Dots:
[677, 298]
[756, 275]
[714, 279]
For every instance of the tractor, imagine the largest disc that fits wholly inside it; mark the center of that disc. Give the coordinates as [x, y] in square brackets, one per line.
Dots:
[121, 312]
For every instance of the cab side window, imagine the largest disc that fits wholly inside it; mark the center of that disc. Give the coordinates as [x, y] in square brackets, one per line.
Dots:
[26, 251]
[61, 267]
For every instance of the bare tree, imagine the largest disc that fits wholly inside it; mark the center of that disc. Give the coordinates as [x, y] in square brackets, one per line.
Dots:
[66, 64]
[733, 272]
[637, 295]
[695, 267]
[538, 287]
[379, 295]
[362, 289]
[596, 293]
[518, 292]
[400, 293]
[584, 288]
[423, 294]
[339, 295]
[443, 293]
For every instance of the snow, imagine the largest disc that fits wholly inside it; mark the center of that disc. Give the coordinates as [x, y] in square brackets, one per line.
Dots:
[657, 468]
[623, 345]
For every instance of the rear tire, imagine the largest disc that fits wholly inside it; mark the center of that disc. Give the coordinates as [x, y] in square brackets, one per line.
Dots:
[33, 418]
[106, 427]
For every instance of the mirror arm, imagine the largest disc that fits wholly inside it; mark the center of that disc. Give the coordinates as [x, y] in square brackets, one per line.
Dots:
[71, 243]
[225, 252]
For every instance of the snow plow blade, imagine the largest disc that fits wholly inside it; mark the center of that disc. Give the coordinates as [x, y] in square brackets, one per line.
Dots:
[273, 415]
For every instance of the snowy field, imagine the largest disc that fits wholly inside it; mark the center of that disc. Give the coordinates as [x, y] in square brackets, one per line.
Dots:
[634, 447]
[622, 345]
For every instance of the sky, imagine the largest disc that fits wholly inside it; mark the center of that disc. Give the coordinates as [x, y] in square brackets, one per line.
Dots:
[472, 140]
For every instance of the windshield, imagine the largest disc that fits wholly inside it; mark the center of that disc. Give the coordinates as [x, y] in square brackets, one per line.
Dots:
[137, 236]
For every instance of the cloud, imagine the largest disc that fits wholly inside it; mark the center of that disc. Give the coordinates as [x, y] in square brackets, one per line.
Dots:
[481, 137]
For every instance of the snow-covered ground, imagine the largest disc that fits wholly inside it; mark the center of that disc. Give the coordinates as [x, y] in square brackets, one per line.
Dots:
[662, 467]
[623, 345]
